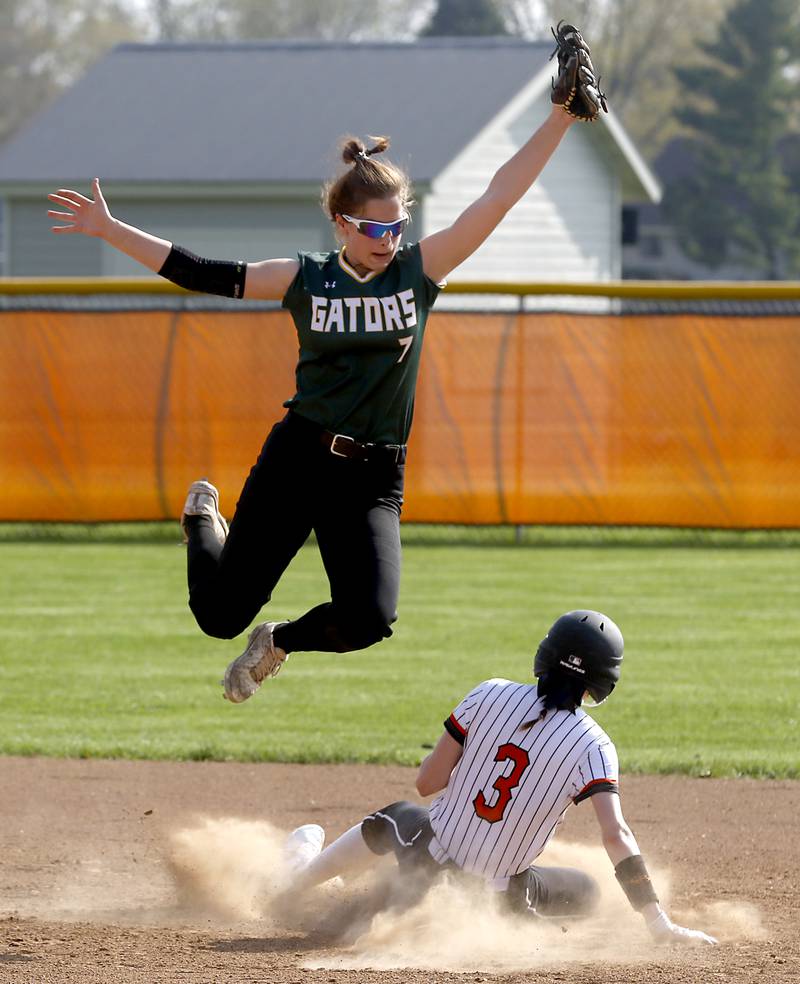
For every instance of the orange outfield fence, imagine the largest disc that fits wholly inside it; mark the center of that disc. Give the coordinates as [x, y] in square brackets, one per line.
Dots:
[521, 417]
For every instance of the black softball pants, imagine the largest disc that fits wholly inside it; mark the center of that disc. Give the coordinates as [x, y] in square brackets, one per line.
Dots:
[404, 828]
[297, 486]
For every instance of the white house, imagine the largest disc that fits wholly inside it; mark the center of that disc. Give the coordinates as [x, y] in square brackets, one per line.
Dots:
[223, 148]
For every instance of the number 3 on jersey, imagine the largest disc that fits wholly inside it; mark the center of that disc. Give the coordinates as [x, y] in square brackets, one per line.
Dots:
[503, 784]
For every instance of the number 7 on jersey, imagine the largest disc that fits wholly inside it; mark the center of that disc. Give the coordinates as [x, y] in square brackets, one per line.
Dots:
[405, 345]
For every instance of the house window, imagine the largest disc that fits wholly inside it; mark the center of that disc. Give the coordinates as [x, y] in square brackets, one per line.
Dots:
[630, 225]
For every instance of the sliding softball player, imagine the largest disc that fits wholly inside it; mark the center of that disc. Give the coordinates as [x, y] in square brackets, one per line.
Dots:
[512, 759]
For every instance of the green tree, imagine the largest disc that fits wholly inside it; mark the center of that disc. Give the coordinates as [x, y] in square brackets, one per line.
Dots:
[737, 204]
[332, 20]
[465, 18]
[248, 20]
[635, 44]
[46, 44]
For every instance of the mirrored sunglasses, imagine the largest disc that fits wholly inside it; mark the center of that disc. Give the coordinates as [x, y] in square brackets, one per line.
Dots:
[377, 230]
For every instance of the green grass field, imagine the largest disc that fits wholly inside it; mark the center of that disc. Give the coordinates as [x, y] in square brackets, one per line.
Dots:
[99, 655]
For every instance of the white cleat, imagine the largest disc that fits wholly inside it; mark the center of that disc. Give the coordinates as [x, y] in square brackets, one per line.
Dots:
[302, 846]
[260, 660]
[202, 499]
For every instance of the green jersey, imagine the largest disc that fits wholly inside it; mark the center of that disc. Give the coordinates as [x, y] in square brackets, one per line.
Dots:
[360, 343]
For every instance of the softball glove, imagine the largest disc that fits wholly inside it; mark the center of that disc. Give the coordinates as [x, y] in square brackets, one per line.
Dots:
[577, 86]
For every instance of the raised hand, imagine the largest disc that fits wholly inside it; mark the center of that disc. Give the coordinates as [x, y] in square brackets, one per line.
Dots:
[86, 215]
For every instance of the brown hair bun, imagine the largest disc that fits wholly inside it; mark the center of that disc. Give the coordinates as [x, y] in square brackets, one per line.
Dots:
[365, 178]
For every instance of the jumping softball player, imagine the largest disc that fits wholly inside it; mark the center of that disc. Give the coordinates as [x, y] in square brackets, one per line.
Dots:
[335, 463]
[513, 757]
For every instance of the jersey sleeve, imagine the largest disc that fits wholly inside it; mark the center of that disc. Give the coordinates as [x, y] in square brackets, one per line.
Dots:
[598, 772]
[296, 297]
[457, 725]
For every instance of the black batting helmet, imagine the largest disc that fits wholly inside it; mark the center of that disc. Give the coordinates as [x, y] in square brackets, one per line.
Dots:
[583, 645]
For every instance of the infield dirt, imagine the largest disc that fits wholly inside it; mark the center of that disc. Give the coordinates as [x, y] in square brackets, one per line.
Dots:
[165, 872]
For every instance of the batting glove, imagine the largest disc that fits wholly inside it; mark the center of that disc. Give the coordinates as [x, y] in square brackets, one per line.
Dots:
[664, 930]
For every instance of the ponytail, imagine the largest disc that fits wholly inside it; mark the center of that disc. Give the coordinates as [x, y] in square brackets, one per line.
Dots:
[355, 151]
[558, 691]
[364, 179]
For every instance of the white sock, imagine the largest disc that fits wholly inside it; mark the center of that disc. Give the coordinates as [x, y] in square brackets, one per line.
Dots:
[347, 855]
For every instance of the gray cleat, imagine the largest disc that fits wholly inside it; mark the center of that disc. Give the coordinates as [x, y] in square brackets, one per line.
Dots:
[202, 499]
[261, 659]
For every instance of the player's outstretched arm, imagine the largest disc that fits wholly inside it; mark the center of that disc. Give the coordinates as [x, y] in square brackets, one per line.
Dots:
[445, 250]
[267, 280]
[631, 872]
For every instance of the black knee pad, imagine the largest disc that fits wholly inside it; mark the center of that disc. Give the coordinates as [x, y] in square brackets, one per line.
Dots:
[403, 828]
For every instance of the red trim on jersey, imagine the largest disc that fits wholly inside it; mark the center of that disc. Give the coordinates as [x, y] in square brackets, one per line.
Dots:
[453, 721]
[594, 782]
[596, 786]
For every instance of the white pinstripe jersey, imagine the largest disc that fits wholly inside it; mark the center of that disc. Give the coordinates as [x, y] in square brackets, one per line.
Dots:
[511, 787]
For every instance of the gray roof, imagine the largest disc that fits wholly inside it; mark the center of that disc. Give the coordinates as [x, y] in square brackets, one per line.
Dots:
[271, 111]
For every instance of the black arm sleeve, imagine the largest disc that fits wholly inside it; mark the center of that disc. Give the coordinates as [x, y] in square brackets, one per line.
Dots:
[222, 277]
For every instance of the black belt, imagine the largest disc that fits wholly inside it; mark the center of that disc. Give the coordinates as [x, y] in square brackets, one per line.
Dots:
[348, 447]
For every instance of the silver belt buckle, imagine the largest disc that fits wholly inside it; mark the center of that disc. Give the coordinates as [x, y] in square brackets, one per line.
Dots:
[341, 437]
